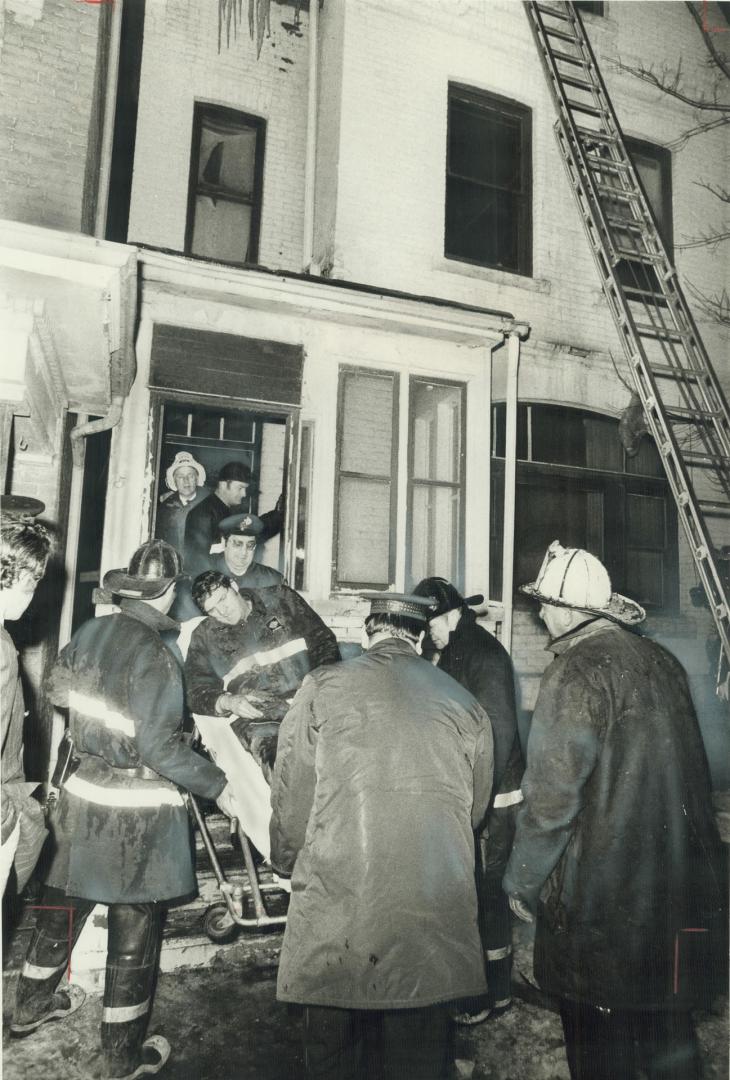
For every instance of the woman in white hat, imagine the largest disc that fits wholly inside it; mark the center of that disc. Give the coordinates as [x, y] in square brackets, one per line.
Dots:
[185, 479]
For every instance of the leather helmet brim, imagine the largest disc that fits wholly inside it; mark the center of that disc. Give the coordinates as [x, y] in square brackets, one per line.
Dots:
[121, 583]
[619, 608]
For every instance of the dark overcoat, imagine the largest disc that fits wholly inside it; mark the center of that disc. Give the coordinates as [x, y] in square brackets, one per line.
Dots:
[384, 764]
[121, 829]
[616, 841]
[172, 514]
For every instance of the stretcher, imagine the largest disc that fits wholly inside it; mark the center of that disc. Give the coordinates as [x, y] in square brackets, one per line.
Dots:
[253, 804]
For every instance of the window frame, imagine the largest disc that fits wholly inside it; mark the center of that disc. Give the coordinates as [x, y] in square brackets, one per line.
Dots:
[412, 483]
[663, 156]
[201, 111]
[291, 416]
[337, 584]
[496, 103]
[615, 488]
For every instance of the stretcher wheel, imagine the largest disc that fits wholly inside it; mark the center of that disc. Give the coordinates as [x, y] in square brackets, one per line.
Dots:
[218, 924]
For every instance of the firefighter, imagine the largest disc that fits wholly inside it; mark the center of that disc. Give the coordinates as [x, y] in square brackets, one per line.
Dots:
[616, 851]
[121, 827]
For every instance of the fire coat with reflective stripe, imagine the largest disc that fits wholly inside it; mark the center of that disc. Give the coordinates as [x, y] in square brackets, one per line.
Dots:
[268, 654]
[121, 827]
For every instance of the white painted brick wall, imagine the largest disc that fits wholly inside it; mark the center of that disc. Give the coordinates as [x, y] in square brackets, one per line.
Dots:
[181, 65]
[46, 86]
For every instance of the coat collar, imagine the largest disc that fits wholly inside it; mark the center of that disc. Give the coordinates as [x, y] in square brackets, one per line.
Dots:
[580, 633]
[137, 609]
[392, 645]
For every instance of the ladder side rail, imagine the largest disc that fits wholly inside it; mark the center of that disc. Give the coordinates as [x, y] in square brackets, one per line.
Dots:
[664, 436]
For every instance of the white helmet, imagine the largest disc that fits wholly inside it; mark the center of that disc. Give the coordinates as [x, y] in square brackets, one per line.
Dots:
[183, 460]
[573, 578]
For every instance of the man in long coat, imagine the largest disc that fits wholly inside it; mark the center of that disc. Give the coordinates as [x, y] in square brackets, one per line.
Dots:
[477, 660]
[185, 480]
[25, 546]
[616, 845]
[384, 767]
[121, 829]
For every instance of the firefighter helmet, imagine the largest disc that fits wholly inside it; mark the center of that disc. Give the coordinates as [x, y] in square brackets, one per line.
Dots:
[573, 578]
[152, 569]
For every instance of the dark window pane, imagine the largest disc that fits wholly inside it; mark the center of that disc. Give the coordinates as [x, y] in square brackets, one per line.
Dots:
[363, 532]
[592, 7]
[176, 419]
[206, 425]
[239, 428]
[548, 511]
[645, 577]
[500, 431]
[435, 431]
[481, 224]
[221, 230]
[646, 462]
[603, 447]
[645, 521]
[227, 157]
[484, 145]
[558, 436]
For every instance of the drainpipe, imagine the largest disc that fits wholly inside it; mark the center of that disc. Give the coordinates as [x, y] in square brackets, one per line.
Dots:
[514, 336]
[310, 159]
[92, 427]
[110, 106]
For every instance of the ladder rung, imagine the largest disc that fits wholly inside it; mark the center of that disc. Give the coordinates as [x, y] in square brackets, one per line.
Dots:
[568, 59]
[669, 372]
[661, 333]
[679, 412]
[616, 192]
[695, 457]
[638, 257]
[590, 110]
[555, 12]
[713, 507]
[562, 35]
[580, 84]
[625, 224]
[587, 135]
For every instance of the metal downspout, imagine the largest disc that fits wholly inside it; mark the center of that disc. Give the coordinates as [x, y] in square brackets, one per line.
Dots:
[110, 106]
[510, 475]
[310, 160]
[92, 427]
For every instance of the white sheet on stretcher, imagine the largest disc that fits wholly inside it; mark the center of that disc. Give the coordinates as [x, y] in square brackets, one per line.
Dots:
[252, 793]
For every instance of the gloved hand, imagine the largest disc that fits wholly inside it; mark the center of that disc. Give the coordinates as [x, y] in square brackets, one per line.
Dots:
[238, 704]
[520, 909]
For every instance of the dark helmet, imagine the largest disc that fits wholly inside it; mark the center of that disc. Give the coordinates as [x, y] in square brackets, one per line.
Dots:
[151, 571]
[446, 597]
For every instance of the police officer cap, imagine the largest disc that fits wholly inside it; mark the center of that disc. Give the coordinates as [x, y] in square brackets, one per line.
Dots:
[21, 506]
[393, 603]
[240, 525]
[152, 569]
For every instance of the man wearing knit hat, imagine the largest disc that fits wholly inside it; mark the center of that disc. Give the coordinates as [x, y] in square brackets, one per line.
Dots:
[616, 848]
[185, 480]
[477, 660]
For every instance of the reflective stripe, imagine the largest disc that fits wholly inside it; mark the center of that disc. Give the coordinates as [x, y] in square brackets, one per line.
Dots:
[122, 1014]
[499, 954]
[123, 797]
[35, 971]
[96, 708]
[502, 1002]
[265, 659]
[508, 798]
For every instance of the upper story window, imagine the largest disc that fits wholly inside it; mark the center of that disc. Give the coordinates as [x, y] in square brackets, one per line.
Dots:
[369, 445]
[576, 484]
[590, 7]
[226, 182]
[488, 181]
[654, 165]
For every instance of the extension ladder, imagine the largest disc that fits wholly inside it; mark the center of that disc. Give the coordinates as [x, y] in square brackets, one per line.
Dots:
[683, 402]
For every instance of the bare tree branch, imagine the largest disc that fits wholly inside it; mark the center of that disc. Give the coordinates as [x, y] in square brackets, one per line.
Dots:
[721, 193]
[708, 125]
[706, 240]
[719, 58]
[717, 306]
[670, 85]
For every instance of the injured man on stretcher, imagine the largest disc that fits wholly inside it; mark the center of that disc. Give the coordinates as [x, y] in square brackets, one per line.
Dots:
[244, 664]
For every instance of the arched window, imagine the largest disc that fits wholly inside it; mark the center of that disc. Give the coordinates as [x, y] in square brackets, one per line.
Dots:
[576, 484]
